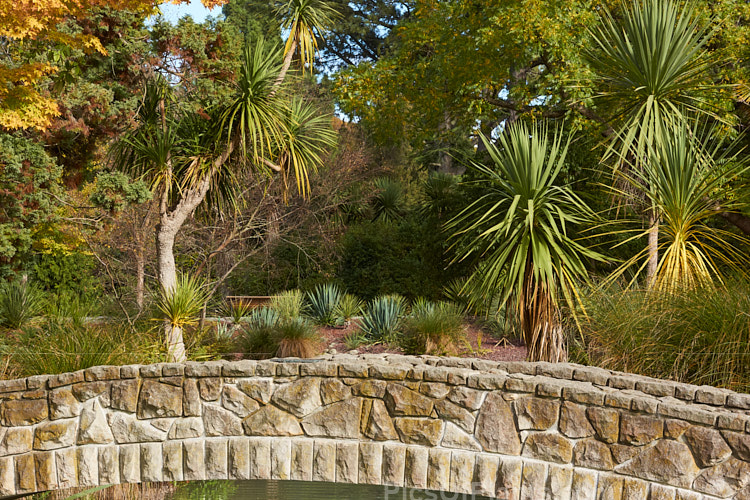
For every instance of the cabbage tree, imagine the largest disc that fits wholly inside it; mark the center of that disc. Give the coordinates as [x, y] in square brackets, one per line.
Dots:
[519, 231]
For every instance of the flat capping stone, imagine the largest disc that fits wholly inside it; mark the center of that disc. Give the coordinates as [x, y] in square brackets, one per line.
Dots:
[15, 385]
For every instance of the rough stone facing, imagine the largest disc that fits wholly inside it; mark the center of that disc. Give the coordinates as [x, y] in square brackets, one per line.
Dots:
[505, 430]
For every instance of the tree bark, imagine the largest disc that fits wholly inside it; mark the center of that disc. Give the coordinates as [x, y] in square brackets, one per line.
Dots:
[285, 66]
[741, 221]
[653, 249]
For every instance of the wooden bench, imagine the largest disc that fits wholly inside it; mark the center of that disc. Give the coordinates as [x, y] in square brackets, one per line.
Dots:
[249, 300]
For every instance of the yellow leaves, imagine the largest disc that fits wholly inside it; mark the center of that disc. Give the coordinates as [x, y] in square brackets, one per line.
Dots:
[24, 107]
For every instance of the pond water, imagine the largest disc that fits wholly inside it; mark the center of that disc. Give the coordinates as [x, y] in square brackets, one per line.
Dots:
[299, 490]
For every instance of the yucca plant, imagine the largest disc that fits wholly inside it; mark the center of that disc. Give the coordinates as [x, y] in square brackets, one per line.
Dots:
[383, 318]
[297, 338]
[20, 301]
[236, 310]
[683, 176]
[323, 303]
[258, 332]
[389, 200]
[289, 304]
[348, 307]
[180, 307]
[519, 229]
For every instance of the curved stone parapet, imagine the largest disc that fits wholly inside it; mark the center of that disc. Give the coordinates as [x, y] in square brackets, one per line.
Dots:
[505, 430]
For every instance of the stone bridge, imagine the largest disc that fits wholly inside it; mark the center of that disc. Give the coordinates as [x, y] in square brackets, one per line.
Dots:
[506, 430]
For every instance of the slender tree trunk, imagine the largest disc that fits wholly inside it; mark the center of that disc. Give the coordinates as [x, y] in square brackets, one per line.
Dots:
[653, 249]
[140, 271]
[285, 66]
[542, 332]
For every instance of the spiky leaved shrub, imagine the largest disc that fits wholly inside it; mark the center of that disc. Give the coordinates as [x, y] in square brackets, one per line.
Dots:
[20, 301]
[322, 304]
[181, 306]
[382, 319]
[236, 310]
[433, 328]
[258, 333]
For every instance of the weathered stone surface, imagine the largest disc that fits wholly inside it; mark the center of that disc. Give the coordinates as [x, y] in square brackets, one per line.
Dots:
[185, 428]
[434, 390]
[454, 437]
[88, 466]
[260, 458]
[633, 489]
[438, 469]
[220, 422]
[62, 404]
[216, 453]
[470, 399]
[370, 388]
[707, 445]
[508, 486]
[130, 463]
[573, 421]
[158, 400]
[536, 413]
[88, 390]
[673, 429]
[416, 465]
[347, 462]
[584, 485]
[281, 459]
[66, 465]
[548, 446]
[333, 390]
[209, 388]
[18, 440]
[44, 463]
[300, 398]
[124, 395]
[667, 462]
[109, 464]
[740, 444]
[25, 473]
[20, 412]
[606, 423]
[462, 469]
[340, 420]
[592, 454]
[456, 414]
[422, 431]
[191, 402]
[496, 430]
[725, 479]
[7, 478]
[370, 463]
[324, 461]
[57, 434]
[639, 430]
[163, 424]
[485, 474]
[258, 389]
[559, 482]
[379, 425]
[127, 429]
[405, 402]
[394, 464]
[94, 428]
[532, 481]
[238, 402]
[172, 461]
[623, 452]
[270, 421]
[609, 487]
[302, 460]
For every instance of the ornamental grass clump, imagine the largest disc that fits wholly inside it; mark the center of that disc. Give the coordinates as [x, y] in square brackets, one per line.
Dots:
[289, 304]
[349, 306]
[20, 301]
[297, 338]
[268, 334]
[382, 319]
[257, 336]
[698, 336]
[434, 328]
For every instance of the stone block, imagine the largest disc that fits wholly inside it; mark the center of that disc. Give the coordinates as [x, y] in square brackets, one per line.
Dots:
[243, 368]
[389, 371]
[66, 464]
[157, 400]
[44, 468]
[333, 390]
[300, 398]
[220, 422]
[209, 388]
[639, 429]
[347, 462]
[667, 462]
[394, 464]
[96, 373]
[421, 431]
[416, 467]
[152, 462]
[281, 459]
[15, 413]
[194, 467]
[462, 472]
[62, 404]
[509, 478]
[559, 482]
[370, 463]
[339, 420]
[573, 421]
[439, 469]
[25, 473]
[707, 445]
[270, 421]
[172, 461]
[533, 481]
[57, 434]
[109, 465]
[633, 489]
[56, 380]
[723, 480]
[471, 399]
[324, 462]
[584, 485]
[94, 427]
[593, 454]
[318, 369]
[216, 453]
[7, 477]
[258, 389]
[609, 487]
[204, 369]
[124, 395]
[302, 459]
[88, 466]
[260, 458]
[16, 440]
[191, 402]
[549, 447]
[130, 463]
[405, 402]
[496, 429]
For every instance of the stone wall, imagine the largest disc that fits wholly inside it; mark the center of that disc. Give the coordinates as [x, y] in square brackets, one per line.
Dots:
[509, 430]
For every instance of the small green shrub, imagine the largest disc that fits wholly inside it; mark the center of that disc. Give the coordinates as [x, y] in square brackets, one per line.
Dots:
[383, 317]
[236, 310]
[354, 340]
[323, 303]
[349, 306]
[433, 328]
[67, 308]
[182, 305]
[289, 304]
[20, 301]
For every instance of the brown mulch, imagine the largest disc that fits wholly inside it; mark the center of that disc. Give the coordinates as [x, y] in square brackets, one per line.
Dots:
[479, 344]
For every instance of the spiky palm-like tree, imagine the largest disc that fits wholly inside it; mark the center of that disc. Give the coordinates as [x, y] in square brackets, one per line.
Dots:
[518, 230]
[653, 71]
[189, 157]
[305, 20]
[684, 174]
